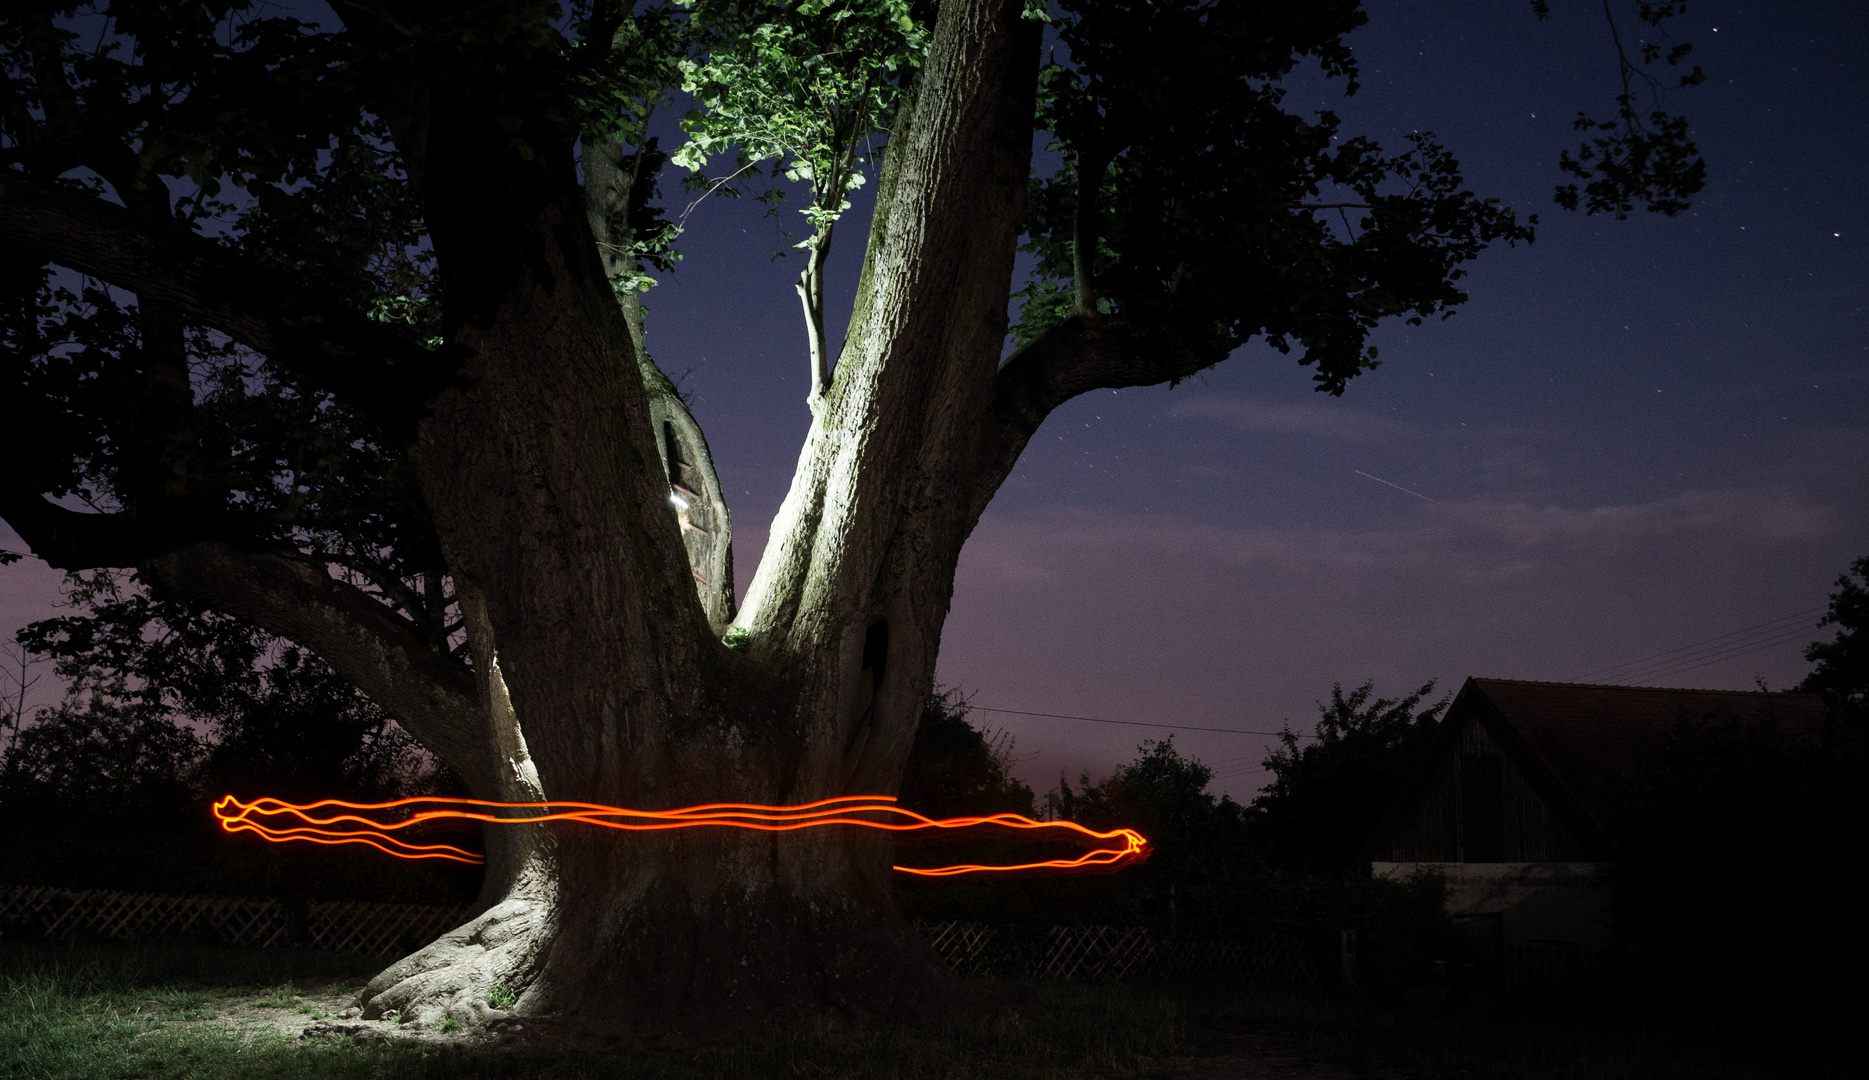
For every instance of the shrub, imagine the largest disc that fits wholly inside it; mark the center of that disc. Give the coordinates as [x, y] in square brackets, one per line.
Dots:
[1736, 875]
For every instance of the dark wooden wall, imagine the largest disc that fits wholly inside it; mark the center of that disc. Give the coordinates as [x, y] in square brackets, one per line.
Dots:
[1479, 807]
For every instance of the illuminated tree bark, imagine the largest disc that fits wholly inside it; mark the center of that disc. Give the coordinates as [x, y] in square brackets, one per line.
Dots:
[555, 514]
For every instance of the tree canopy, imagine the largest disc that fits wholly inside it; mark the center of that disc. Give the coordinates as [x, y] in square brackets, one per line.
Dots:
[308, 314]
[1841, 672]
[1327, 794]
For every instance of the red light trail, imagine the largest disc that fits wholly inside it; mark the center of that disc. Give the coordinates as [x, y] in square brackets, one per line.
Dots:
[348, 823]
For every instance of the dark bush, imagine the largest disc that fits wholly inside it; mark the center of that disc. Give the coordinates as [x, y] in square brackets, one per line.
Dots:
[1208, 874]
[1736, 880]
[955, 769]
[1328, 791]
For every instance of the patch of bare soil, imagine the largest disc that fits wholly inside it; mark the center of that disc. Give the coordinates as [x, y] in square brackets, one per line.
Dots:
[316, 1011]
[1247, 1056]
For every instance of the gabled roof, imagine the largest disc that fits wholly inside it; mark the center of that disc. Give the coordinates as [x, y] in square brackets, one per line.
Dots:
[1572, 740]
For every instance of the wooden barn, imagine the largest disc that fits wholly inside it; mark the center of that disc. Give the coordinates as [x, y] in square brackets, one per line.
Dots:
[1510, 801]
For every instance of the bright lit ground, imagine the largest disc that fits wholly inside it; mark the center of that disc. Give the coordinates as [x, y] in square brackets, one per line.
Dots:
[176, 1011]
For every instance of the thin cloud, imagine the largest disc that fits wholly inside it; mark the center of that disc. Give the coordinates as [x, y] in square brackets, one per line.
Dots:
[1309, 419]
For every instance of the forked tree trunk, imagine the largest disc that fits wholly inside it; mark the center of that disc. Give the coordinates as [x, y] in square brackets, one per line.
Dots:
[608, 663]
[600, 664]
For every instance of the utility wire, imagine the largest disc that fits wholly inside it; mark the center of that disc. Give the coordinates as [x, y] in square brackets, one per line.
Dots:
[1699, 654]
[1731, 653]
[1753, 638]
[1129, 723]
[1757, 638]
[1670, 654]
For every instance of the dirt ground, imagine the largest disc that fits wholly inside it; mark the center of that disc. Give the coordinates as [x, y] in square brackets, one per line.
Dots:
[323, 1009]
[327, 1010]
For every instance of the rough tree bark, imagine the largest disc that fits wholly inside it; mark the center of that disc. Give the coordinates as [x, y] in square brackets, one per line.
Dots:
[548, 472]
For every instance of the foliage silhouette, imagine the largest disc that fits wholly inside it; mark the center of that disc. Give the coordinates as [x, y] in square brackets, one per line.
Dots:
[171, 706]
[1728, 879]
[1841, 674]
[1327, 794]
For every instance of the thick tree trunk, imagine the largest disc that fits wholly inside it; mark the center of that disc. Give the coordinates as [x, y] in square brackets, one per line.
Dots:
[501, 945]
[550, 493]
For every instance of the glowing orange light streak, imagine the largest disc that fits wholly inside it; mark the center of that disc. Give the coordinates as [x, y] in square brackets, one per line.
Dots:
[281, 821]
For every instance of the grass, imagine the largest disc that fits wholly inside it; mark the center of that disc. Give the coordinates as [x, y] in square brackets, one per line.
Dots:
[122, 1012]
[283, 996]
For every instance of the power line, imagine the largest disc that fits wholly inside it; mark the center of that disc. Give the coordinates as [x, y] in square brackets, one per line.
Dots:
[1774, 624]
[1232, 762]
[1744, 642]
[1129, 723]
[1735, 651]
[1726, 646]
[1701, 658]
[1234, 767]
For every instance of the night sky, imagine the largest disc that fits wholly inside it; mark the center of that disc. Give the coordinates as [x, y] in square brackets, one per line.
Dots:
[1636, 437]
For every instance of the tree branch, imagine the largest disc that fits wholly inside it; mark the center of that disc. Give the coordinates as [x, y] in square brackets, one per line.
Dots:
[1076, 356]
[608, 193]
[329, 346]
[425, 688]
[428, 691]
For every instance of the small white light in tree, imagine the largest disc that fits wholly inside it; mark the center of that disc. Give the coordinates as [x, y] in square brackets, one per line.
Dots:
[677, 501]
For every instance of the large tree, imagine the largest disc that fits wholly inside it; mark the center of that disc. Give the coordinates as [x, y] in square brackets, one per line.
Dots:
[332, 326]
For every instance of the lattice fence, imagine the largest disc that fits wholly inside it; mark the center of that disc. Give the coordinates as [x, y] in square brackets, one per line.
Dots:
[1095, 952]
[121, 915]
[377, 928]
[1269, 961]
[1110, 952]
[340, 926]
[972, 949]
[964, 945]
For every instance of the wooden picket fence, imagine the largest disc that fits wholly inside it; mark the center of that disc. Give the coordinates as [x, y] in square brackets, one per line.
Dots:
[338, 926]
[973, 949]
